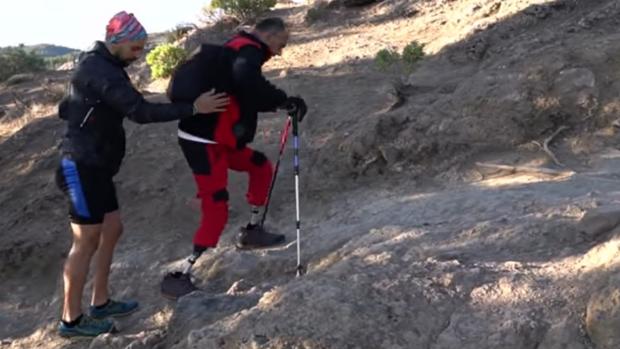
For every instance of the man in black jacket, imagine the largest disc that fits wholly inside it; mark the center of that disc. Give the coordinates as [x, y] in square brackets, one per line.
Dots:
[101, 96]
[213, 146]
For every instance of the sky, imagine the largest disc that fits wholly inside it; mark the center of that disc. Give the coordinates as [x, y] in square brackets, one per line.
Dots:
[78, 23]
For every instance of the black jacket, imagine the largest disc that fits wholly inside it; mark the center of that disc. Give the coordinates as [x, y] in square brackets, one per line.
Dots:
[235, 68]
[254, 92]
[99, 98]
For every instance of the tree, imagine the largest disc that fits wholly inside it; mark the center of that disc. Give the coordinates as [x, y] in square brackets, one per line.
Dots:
[16, 60]
[244, 10]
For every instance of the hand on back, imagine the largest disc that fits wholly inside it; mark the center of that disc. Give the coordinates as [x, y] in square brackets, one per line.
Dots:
[211, 102]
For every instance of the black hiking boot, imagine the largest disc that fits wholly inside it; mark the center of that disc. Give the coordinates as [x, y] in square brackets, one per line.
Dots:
[253, 237]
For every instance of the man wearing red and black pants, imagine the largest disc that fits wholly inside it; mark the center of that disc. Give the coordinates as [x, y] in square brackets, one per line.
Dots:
[214, 145]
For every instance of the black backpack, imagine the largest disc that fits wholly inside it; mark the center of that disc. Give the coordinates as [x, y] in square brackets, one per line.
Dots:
[209, 67]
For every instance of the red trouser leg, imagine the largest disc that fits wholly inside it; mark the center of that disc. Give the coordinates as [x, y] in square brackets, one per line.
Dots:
[214, 196]
[259, 169]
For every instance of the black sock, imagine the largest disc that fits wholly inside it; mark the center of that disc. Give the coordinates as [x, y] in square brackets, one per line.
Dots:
[199, 249]
[72, 323]
[99, 307]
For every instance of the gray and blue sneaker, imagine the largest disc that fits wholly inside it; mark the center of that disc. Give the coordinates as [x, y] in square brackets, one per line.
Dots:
[113, 309]
[86, 327]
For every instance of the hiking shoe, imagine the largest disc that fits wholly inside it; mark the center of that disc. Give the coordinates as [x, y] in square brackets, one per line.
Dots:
[177, 284]
[87, 327]
[114, 309]
[252, 237]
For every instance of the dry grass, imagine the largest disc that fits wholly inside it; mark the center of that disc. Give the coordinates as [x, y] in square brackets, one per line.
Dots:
[53, 92]
[27, 108]
[30, 113]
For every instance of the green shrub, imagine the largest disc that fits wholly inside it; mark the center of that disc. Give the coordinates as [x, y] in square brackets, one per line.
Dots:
[316, 13]
[412, 53]
[164, 58]
[386, 57]
[244, 10]
[16, 60]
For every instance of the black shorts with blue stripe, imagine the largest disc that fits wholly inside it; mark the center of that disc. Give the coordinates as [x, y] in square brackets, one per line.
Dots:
[89, 190]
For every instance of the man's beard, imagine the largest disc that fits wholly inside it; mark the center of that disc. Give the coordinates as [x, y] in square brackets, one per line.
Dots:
[126, 62]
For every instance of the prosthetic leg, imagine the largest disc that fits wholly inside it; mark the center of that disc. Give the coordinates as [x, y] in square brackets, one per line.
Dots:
[179, 283]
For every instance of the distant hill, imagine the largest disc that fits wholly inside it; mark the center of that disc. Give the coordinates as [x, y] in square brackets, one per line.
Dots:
[48, 50]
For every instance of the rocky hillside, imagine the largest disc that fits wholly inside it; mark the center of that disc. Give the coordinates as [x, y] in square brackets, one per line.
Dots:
[466, 201]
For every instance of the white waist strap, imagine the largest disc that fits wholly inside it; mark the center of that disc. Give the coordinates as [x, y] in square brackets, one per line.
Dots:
[189, 137]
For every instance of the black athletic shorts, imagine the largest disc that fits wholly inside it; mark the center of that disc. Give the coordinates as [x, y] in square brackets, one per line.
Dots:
[90, 191]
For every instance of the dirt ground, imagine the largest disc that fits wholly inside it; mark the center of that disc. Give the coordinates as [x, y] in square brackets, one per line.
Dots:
[409, 241]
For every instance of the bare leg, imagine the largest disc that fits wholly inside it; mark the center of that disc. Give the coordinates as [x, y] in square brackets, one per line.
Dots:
[111, 230]
[85, 243]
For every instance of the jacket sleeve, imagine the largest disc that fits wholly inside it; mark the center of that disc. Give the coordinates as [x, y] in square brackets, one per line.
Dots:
[250, 82]
[115, 90]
